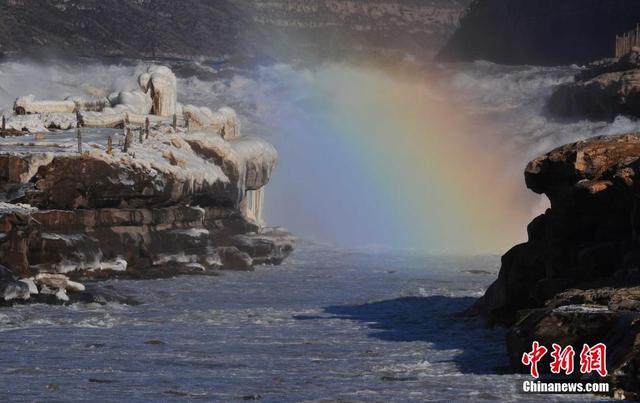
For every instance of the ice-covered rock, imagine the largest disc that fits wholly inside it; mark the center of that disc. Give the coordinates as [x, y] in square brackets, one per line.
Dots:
[155, 100]
[175, 193]
[33, 288]
[28, 104]
[59, 281]
[133, 192]
[162, 86]
[61, 294]
[41, 122]
[224, 121]
[10, 289]
[138, 102]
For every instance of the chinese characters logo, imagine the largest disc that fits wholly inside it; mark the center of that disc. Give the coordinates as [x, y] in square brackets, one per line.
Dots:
[592, 359]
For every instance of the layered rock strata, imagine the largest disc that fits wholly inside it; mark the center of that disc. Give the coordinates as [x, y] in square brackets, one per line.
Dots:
[577, 278]
[223, 29]
[142, 198]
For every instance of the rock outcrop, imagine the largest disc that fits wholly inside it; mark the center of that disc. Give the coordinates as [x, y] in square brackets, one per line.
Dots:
[54, 289]
[224, 29]
[577, 278]
[140, 196]
[540, 32]
[601, 91]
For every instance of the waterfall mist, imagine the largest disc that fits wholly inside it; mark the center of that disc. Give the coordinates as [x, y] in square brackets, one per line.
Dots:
[425, 157]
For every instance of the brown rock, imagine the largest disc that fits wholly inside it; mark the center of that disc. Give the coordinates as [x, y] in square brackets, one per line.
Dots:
[171, 206]
[577, 279]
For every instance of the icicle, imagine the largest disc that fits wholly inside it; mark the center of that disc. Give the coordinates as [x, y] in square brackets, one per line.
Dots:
[255, 204]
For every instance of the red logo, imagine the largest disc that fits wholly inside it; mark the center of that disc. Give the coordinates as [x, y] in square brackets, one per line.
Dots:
[591, 359]
[594, 359]
[532, 358]
[562, 359]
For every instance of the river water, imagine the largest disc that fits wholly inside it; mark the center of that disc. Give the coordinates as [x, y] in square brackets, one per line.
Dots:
[328, 325]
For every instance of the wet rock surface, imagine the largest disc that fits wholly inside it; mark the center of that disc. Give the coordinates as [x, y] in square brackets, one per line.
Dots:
[577, 278]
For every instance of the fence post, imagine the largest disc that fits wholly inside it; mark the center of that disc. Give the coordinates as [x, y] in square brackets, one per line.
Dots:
[146, 127]
[175, 122]
[4, 123]
[127, 140]
[79, 135]
[109, 145]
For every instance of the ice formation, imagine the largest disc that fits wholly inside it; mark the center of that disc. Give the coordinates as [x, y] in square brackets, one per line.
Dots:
[133, 177]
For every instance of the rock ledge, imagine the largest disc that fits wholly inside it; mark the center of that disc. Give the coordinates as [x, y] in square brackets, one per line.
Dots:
[144, 187]
[577, 278]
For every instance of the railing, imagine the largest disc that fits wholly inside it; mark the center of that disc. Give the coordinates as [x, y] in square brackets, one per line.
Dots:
[627, 41]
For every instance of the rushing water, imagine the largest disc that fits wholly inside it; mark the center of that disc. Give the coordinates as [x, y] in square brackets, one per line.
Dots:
[329, 185]
[328, 325]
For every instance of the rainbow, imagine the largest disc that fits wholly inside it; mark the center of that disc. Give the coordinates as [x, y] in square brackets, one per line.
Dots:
[381, 157]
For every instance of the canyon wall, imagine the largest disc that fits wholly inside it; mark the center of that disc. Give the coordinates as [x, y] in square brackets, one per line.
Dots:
[223, 28]
[541, 32]
[336, 27]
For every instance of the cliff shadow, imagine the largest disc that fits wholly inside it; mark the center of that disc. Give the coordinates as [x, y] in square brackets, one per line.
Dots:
[435, 320]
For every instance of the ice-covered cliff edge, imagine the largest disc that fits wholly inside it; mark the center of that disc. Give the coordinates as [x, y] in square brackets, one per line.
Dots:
[132, 193]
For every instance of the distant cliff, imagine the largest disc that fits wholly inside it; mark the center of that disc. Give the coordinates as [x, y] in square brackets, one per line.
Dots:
[541, 32]
[119, 28]
[224, 28]
[333, 27]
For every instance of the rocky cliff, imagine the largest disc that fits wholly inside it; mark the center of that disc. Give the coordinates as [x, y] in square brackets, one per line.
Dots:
[114, 28]
[224, 28]
[602, 90]
[577, 278]
[134, 185]
[337, 27]
[541, 32]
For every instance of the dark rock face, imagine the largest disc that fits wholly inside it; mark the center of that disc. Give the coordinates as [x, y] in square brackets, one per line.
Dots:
[577, 279]
[603, 90]
[588, 233]
[224, 28]
[136, 243]
[10, 288]
[541, 32]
